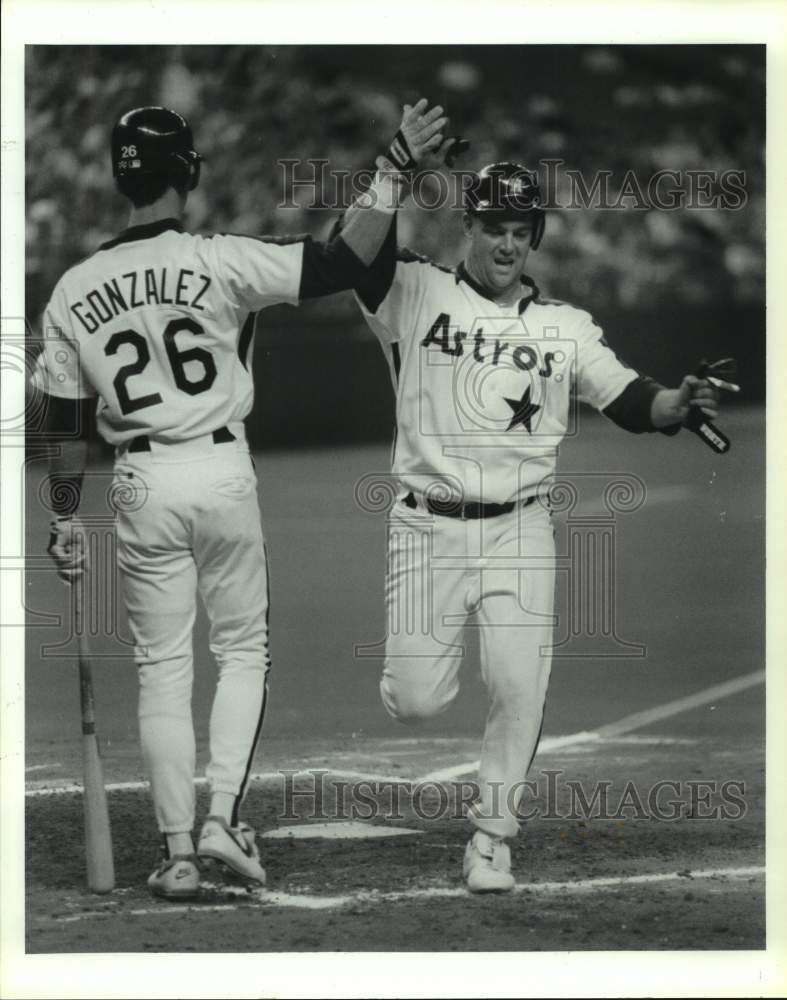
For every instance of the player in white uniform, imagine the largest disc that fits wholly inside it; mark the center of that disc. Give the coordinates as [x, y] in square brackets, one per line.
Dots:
[485, 371]
[153, 334]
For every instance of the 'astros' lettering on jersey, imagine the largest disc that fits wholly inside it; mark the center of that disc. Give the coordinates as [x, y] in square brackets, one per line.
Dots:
[158, 325]
[485, 392]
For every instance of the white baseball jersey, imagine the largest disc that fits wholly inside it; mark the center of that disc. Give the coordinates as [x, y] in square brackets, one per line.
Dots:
[485, 392]
[158, 324]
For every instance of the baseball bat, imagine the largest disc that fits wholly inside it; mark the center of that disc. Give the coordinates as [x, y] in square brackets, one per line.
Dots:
[98, 836]
[696, 420]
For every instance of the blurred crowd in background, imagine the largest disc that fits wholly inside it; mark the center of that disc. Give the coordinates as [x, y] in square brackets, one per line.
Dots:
[669, 286]
[617, 109]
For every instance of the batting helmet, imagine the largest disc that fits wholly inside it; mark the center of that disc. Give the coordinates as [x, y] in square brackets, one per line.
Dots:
[507, 191]
[149, 142]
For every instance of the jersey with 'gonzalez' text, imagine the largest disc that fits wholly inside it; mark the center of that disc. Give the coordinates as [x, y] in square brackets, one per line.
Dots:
[158, 325]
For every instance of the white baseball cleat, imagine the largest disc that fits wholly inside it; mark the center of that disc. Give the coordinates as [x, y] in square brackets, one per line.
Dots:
[487, 864]
[234, 846]
[177, 877]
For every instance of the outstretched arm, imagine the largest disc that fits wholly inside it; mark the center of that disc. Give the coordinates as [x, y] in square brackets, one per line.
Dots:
[644, 405]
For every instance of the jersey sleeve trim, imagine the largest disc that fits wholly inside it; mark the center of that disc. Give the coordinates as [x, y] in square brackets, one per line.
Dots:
[245, 339]
[145, 232]
[397, 360]
[614, 392]
[382, 272]
[375, 284]
[631, 408]
[53, 390]
[279, 241]
[328, 268]
[67, 417]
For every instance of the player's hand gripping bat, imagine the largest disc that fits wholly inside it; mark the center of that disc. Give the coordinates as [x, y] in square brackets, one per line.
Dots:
[719, 374]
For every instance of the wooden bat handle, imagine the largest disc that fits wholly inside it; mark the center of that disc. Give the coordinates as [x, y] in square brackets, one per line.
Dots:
[86, 696]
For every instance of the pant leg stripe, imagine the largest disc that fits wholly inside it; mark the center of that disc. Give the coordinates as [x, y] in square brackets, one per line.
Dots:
[242, 791]
[538, 740]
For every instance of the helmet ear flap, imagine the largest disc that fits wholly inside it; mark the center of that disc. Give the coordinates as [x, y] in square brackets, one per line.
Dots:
[190, 164]
[195, 165]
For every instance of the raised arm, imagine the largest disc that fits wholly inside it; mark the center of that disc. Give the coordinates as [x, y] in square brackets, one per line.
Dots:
[412, 151]
[367, 221]
[296, 268]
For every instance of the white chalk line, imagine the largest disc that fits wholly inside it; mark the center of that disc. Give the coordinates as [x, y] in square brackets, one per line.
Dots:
[264, 778]
[549, 744]
[653, 497]
[625, 725]
[650, 715]
[263, 899]
[337, 830]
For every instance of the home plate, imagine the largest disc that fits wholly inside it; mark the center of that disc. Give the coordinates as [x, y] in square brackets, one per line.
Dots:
[337, 831]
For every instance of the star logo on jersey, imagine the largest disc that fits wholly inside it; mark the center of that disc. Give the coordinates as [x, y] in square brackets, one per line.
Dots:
[524, 411]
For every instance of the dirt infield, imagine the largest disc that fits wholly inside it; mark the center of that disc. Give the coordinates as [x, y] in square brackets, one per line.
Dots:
[634, 881]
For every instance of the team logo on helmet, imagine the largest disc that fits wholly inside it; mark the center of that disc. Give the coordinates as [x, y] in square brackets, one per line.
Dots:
[508, 191]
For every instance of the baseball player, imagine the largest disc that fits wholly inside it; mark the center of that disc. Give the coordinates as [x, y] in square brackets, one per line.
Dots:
[152, 334]
[485, 370]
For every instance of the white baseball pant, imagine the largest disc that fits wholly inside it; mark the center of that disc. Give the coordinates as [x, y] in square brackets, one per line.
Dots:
[500, 570]
[197, 528]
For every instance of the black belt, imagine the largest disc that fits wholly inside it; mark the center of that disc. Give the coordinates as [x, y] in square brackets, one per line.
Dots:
[466, 511]
[221, 436]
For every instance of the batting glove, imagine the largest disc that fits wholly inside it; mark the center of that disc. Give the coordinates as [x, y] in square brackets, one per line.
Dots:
[420, 132]
[67, 547]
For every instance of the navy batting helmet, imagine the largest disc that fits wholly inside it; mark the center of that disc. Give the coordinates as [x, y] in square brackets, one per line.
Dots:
[507, 191]
[156, 142]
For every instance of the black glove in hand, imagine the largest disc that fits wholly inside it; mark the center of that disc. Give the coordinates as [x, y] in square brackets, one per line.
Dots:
[420, 132]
